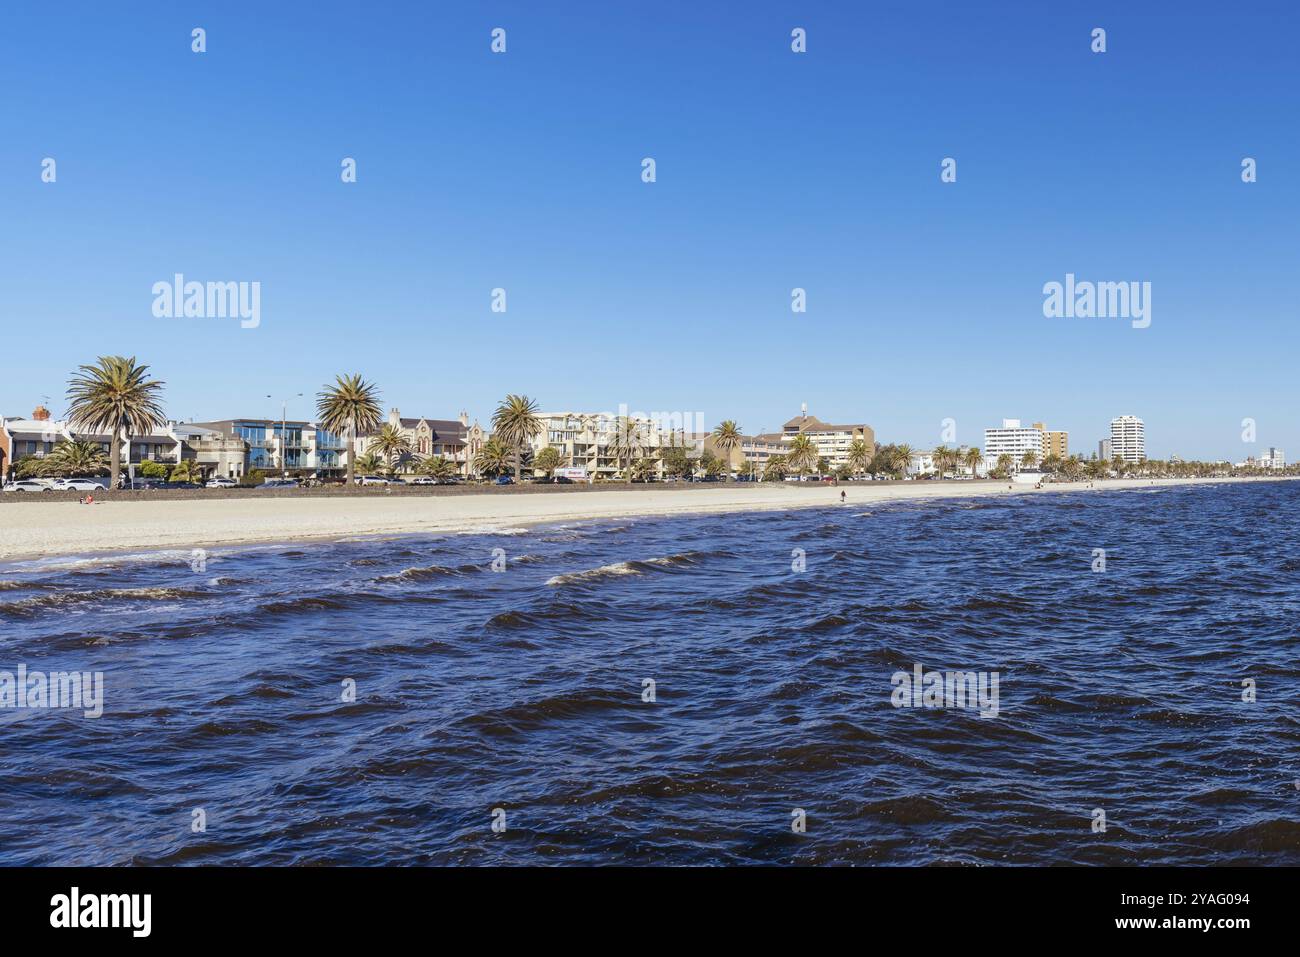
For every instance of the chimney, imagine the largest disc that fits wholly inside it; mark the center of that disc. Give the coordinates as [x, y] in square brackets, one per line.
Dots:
[394, 419]
[41, 414]
[464, 419]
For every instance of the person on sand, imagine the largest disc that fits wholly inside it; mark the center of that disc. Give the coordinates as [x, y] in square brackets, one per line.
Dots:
[843, 496]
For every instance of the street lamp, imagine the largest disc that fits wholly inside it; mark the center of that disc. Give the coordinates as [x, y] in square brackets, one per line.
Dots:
[284, 405]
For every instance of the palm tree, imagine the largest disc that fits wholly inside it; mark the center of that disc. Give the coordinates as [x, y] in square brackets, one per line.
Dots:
[75, 458]
[942, 456]
[973, 459]
[802, 455]
[1005, 461]
[494, 458]
[726, 437]
[114, 396]
[436, 467]
[514, 423]
[548, 460]
[350, 406]
[186, 470]
[859, 456]
[368, 464]
[392, 444]
[901, 459]
[776, 469]
[1028, 459]
[625, 443]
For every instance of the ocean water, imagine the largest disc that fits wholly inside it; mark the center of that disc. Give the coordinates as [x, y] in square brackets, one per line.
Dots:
[518, 697]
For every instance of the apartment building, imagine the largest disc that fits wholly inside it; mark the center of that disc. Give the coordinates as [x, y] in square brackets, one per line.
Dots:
[586, 440]
[832, 441]
[1272, 459]
[273, 445]
[1054, 443]
[1128, 438]
[1014, 440]
[752, 448]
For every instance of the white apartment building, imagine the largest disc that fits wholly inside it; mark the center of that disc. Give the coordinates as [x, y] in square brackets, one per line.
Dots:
[1272, 459]
[1011, 439]
[584, 441]
[1128, 438]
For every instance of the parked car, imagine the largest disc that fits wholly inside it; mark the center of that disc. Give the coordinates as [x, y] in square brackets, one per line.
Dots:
[221, 482]
[562, 480]
[424, 480]
[371, 480]
[279, 483]
[504, 480]
[27, 485]
[80, 484]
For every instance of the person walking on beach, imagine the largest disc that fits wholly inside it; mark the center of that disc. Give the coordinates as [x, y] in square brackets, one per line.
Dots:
[843, 496]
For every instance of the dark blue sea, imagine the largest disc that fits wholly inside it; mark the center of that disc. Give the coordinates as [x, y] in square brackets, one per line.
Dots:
[1162, 691]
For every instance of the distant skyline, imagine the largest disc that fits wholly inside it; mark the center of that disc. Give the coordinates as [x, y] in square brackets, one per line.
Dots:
[775, 170]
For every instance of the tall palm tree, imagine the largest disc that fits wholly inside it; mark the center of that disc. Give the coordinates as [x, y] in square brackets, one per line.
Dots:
[350, 406]
[859, 456]
[392, 444]
[901, 459]
[942, 456]
[776, 469]
[1028, 459]
[801, 456]
[625, 443]
[514, 423]
[726, 437]
[973, 459]
[115, 396]
[494, 458]
[76, 458]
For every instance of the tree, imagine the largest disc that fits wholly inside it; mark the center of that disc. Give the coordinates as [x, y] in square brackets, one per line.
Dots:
[392, 444]
[973, 459]
[625, 443]
[350, 406]
[1004, 464]
[115, 397]
[153, 470]
[859, 456]
[901, 459]
[548, 460]
[726, 437]
[802, 455]
[494, 458]
[942, 456]
[368, 464]
[676, 462]
[186, 470]
[1028, 459]
[514, 424]
[777, 468]
[76, 458]
[436, 467]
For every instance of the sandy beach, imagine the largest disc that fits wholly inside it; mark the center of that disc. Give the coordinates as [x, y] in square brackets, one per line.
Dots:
[35, 529]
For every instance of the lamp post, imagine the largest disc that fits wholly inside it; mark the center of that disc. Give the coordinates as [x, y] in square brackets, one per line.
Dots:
[284, 457]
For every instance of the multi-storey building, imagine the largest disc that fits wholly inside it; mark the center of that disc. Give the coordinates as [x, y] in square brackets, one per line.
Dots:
[757, 449]
[1128, 438]
[1014, 440]
[1054, 443]
[832, 441]
[587, 441]
[1272, 459]
[1103, 450]
[288, 445]
[452, 439]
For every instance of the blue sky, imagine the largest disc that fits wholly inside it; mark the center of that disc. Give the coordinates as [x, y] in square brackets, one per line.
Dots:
[775, 170]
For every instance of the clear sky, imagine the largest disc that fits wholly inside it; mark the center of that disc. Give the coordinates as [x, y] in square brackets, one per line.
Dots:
[775, 170]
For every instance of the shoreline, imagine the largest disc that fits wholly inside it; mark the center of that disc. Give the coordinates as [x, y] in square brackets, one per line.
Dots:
[35, 530]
